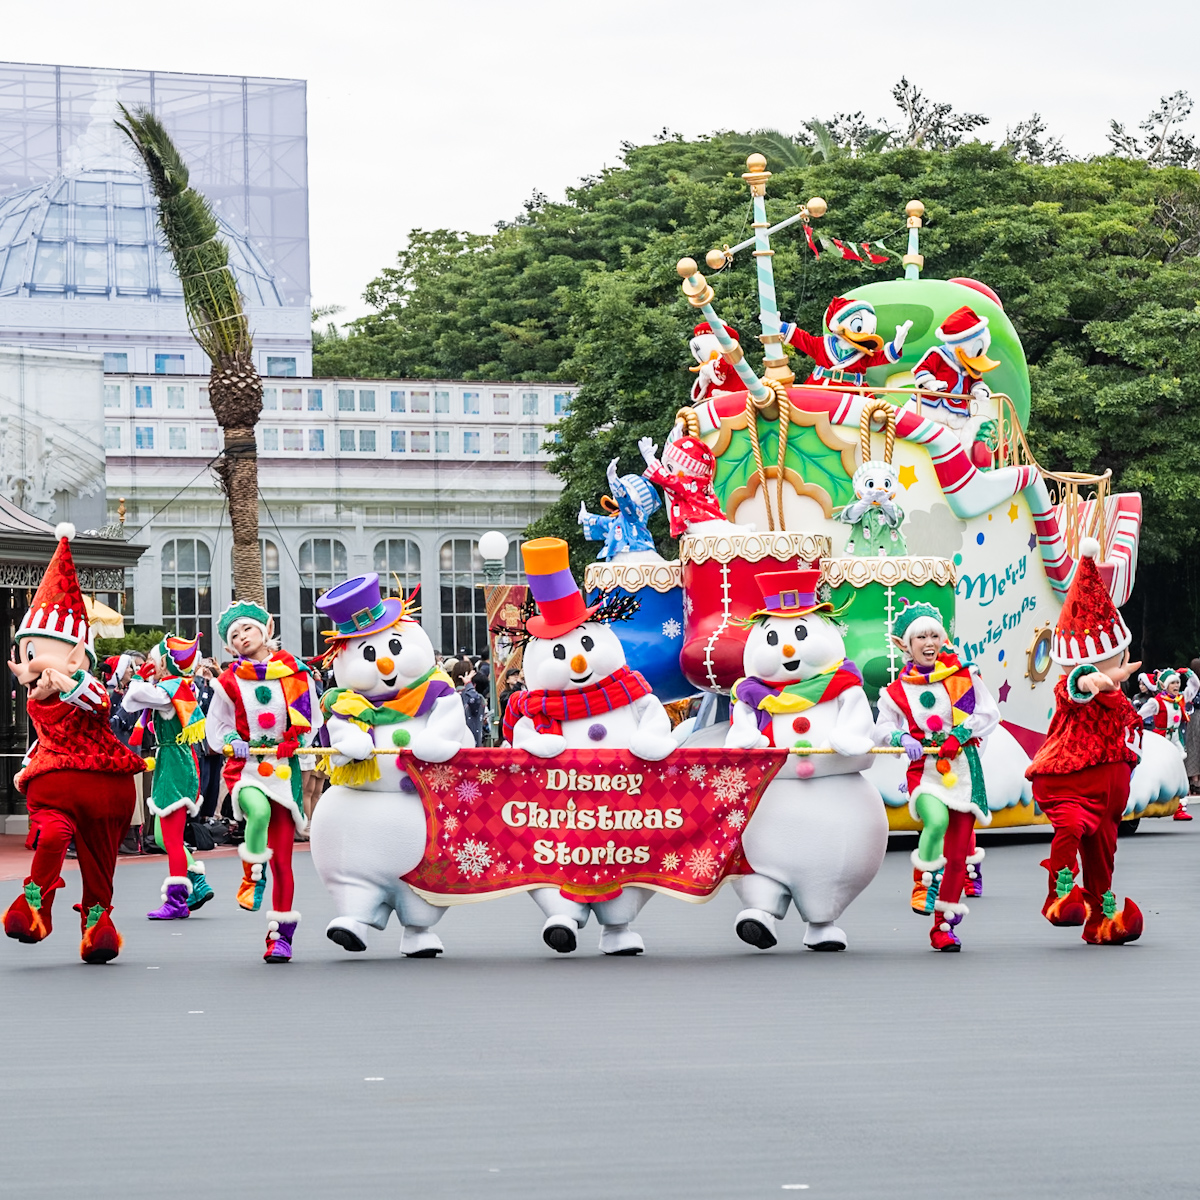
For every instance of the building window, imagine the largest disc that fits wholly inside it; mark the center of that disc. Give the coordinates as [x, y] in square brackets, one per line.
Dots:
[168, 364]
[143, 437]
[176, 437]
[562, 404]
[366, 400]
[270, 570]
[270, 399]
[441, 441]
[292, 399]
[345, 439]
[116, 362]
[464, 612]
[441, 402]
[397, 402]
[176, 397]
[322, 564]
[293, 439]
[316, 440]
[501, 404]
[398, 564]
[143, 396]
[529, 404]
[500, 442]
[205, 406]
[281, 366]
[529, 441]
[112, 437]
[397, 441]
[420, 441]
[366, 440]
[470, 404]
[420, 402]
[316, 401]
[345, 399]
[186, 591]
[471, 441]
[270, 437]
[112, 395]
[208, 439]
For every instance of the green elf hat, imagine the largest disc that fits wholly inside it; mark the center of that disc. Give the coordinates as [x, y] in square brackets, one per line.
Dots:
[907, 617]
[242, 610]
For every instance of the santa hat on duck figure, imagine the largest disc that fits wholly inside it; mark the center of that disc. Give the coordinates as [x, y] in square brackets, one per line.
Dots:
[956, 368]
[582, 695]
[370, 829]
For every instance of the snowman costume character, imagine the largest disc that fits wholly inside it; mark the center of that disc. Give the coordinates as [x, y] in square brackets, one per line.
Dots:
[582, 696]
[820, 831]
[370, 827]
[956, 368]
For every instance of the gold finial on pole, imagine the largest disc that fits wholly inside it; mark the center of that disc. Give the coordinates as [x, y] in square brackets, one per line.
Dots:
[695, 286]
[756, 174]
[121, 510]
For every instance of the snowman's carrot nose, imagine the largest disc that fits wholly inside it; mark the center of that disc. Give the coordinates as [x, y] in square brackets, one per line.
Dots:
[385, 665]
[579, 664]
[788, 650]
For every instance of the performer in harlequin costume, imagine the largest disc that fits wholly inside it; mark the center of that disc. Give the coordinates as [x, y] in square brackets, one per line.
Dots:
[685, 474]
[266, 698]
[957, 366]
[1081, 771]
[714, 376]
[622, 527]
[1166, 712]
[168, 703]
[850, 345]
[77, 777]
[941, 706]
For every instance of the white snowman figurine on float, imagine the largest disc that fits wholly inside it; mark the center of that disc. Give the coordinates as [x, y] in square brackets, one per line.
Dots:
[369, 828]
[582, 695]
[819, 833]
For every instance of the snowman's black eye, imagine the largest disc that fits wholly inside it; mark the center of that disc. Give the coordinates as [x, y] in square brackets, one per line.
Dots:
[772, 638]
[801, 632]
[560, 651]
[369, 653]
[394, 645]
[587, 643]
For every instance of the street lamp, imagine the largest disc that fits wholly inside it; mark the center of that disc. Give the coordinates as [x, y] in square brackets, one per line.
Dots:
[493, 548]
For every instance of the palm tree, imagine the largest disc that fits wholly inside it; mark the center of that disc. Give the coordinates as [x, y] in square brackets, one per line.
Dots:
[218, 322]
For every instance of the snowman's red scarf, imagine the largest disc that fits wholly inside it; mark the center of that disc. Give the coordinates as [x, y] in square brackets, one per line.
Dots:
[548, 710]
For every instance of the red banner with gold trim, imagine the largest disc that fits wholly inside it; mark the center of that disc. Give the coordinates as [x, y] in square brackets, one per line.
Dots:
[589, 822]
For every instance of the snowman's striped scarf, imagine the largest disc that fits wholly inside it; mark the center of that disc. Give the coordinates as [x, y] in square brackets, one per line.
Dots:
[548, 710]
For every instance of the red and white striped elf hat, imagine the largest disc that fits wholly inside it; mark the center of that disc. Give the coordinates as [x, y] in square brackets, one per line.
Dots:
[1090, 628]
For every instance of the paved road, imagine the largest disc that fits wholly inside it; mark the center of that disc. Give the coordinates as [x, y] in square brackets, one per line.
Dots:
[1030, 1065]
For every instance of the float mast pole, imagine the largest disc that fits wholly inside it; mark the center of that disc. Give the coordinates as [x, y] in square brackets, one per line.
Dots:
[914, 260]
[775, 363]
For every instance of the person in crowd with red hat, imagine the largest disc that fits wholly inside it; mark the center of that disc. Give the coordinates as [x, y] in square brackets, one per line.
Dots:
[77, 777]
[850, 345]
[685, 475]
[954, 370]
[713, 373]
[940, 713]
[1081, 772]
[1166, 712]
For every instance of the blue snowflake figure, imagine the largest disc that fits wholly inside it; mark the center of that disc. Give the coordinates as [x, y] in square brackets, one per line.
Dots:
[622, 527]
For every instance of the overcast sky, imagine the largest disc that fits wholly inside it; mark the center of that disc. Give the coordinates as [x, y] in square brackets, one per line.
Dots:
[451, 114]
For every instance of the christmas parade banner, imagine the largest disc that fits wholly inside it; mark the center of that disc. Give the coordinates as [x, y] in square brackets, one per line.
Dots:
[588, 822]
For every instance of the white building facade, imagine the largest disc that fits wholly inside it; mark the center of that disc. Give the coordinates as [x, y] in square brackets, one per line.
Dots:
[396, 476]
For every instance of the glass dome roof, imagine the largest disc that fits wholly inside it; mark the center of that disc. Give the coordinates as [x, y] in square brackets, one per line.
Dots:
[93, 235]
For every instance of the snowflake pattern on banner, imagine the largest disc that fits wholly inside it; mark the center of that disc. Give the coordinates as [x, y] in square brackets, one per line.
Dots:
[696, 773]
[441, 777]
[487, 775]
[671, 629]
[473, 857]
[450, 824]
[671, 861]
[702, 864]
[736, 819]
[730, 783]
[468, 791]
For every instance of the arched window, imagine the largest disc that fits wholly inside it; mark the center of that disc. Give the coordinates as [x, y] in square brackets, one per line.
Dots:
[398, 559]
[270, 569]
[187, 591]
[464, 611]
[322, 564]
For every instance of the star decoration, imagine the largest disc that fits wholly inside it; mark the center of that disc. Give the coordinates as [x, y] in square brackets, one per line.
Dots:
[1013, 511]
[1032, 540]
[1003, 690]
[907, 476]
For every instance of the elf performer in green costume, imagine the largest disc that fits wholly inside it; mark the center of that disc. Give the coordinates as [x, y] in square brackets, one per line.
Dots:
[940, 712]
[170, 705]
[266, 698]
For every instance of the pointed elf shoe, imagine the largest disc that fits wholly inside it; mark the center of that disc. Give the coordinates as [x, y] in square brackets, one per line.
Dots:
[1065, 904]
[1113, 928]
[101, 941]
[28, 916]
[943, 936]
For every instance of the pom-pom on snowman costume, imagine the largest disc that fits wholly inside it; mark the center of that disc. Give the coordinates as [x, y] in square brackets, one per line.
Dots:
[713, 374]
[169, 705]
[956, 368]
[1166, 712]
[370, 827]
[622, 527]
[266, 699]
[940, 705]
[77, 777]
[850, 345]
[1081, 771]
[582, 695]
[820, 831]
[685, 474]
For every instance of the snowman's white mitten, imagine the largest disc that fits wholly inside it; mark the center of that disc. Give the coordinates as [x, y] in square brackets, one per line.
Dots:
[542, 745]
[431, 747]
[743, 731]
[850, 745]
[651, 746]
[351, 743]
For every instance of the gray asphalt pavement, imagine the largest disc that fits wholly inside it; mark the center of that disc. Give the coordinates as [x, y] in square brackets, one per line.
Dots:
[1030, 1065]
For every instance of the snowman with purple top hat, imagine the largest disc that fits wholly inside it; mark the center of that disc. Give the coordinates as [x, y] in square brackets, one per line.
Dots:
[369, 828]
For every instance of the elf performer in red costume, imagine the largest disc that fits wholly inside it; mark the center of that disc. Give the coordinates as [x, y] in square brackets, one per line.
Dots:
[1081, 772]
[1167, 713]
[850, 346]
[77, 778]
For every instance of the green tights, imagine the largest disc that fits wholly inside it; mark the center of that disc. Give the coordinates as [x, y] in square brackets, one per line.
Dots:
[256, 808]
[935, 819]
